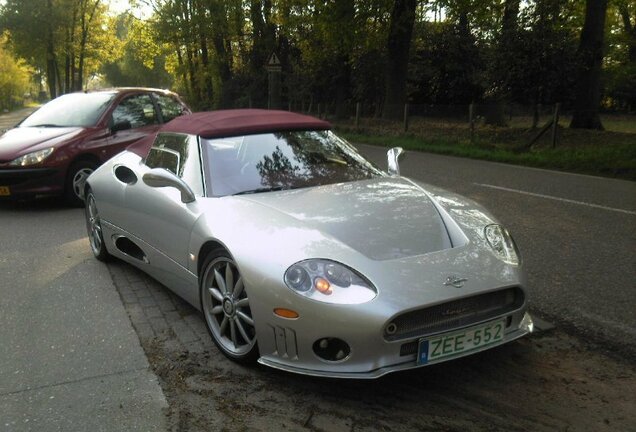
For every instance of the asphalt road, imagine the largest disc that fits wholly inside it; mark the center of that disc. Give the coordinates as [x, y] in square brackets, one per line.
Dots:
[576, 233]
[70, 359]
[8, 120]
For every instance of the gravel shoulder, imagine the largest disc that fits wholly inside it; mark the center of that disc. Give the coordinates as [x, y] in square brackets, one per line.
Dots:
[552, 380]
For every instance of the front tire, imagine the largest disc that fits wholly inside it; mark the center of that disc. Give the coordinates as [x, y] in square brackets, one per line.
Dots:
[94, 228]
[76, 177]
[226, 308]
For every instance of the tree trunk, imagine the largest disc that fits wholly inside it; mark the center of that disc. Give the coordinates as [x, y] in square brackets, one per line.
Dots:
[630, 31]
[588, 93]
[223, 48]
[51, 72]
[398, 46]
[208, 91]
[345, 14]
[263, 44]
[511, 11]
[51, 64]
[182, 68]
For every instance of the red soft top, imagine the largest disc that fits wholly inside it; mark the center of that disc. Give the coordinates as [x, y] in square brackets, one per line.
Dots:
[224, 123]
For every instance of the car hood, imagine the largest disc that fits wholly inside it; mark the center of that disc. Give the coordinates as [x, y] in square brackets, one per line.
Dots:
[22, 140]
[383, 218]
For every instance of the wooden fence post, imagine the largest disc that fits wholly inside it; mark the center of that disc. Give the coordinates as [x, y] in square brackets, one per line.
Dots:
[535, 115]
[471, 121]
[555, 124]
[406, 117]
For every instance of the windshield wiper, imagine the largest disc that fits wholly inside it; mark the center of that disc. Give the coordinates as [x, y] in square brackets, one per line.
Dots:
[45, 125]
[263, 189]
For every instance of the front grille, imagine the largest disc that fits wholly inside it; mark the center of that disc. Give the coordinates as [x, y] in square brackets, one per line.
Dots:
[16, 176]
[409, 348]
[453, 314]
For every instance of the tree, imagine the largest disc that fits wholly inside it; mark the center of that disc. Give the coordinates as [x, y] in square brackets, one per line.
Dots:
[446, 66]
[588, 93]
[620, 63]
[629, 27]
[398, 47]
[140, 60]
[31, 27]
[14, 78]
[65, 38]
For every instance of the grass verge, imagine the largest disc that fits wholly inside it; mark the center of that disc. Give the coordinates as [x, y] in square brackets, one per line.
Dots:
[602, 153]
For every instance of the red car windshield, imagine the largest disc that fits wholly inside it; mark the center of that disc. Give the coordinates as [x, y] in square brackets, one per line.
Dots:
[282, 160]
[70, 110]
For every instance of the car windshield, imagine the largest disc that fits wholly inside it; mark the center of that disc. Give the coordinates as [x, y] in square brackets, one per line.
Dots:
[74, 109]
[282, 160]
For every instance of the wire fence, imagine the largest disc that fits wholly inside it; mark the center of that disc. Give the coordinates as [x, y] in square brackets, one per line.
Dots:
[517, 125]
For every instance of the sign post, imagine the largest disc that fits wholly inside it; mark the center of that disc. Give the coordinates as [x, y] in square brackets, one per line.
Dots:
[274, 69]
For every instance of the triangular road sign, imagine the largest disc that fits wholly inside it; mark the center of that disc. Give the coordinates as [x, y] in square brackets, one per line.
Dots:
[273, 60]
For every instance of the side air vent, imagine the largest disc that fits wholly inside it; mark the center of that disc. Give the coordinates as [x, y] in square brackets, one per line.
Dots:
[125, 175]
[127, 247]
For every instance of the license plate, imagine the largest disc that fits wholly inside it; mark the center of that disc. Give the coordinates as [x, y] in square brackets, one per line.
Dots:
[450, 344]
[4, 191]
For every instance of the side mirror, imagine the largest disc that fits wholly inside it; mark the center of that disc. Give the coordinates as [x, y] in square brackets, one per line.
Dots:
[160, 177]
[120, 126]
[393, 158]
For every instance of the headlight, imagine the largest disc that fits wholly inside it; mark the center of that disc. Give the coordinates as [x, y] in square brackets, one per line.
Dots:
[329, 282]
[502, 243]
[32, 158]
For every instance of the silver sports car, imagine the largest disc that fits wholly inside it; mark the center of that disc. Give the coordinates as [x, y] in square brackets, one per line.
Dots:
[303, 255]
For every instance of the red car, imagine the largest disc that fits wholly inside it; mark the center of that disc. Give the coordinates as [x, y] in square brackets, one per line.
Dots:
[56, 148]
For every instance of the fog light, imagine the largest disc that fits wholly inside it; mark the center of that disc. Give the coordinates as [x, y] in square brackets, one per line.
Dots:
[332, 349]
[391, 329]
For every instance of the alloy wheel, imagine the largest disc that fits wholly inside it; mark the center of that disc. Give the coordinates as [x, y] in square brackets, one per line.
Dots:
[226, 308]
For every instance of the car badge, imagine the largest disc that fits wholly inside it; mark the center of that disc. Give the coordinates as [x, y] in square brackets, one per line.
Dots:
[455, 281]
[448, 313]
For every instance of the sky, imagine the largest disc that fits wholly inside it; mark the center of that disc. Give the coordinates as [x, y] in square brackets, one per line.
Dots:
[119, 6]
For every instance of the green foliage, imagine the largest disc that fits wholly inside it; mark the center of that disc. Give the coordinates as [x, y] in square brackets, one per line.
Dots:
[141, 59]
[620, 60]
[15, 78]
[446, 66]
[333, 53]
[65, 38]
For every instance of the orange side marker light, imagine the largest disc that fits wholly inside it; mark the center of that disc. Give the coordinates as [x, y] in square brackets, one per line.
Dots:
[286, 313]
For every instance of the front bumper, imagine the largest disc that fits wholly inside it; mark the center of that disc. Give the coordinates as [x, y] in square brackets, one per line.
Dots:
[30, 181]
[524, 327]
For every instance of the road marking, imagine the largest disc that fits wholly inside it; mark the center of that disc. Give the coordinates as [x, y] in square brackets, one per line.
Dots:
[556, 198]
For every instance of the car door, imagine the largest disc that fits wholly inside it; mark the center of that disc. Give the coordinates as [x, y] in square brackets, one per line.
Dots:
[157, 216]
[170, 106]
[133, 118]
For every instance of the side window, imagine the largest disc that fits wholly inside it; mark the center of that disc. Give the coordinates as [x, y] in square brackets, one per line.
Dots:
[169, 107]
[179, 154]
[138, 110]
[164, 158]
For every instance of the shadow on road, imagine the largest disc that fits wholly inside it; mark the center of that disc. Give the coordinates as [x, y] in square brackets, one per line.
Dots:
[34, 205]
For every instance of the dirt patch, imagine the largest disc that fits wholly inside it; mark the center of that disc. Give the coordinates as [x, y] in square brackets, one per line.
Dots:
[548, 382]
[545, 382]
